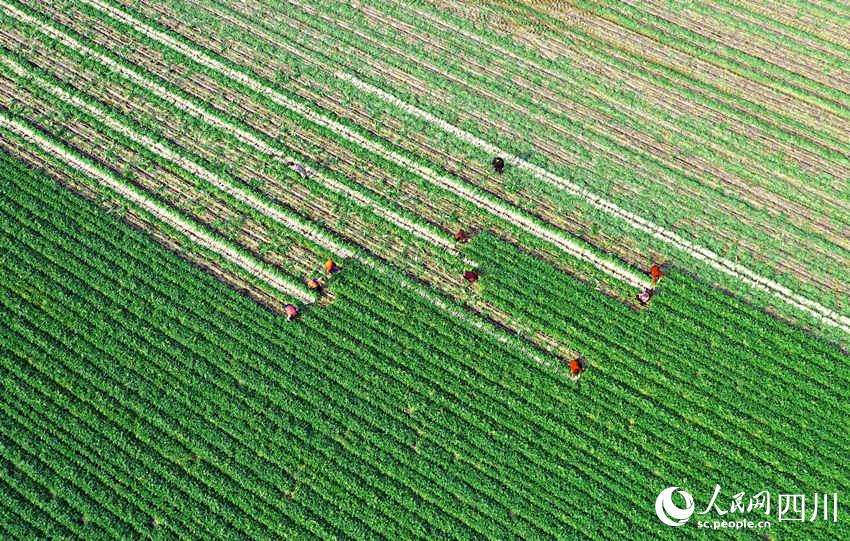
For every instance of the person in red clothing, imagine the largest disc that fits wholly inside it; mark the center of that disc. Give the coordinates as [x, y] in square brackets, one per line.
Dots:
[291, 312]
[470, 276]
[460, 236]
[656, 273]
[576, 368]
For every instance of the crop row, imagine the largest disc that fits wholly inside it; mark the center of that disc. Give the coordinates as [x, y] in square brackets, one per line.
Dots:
[627, 334]
[256, 86]
[804, 308]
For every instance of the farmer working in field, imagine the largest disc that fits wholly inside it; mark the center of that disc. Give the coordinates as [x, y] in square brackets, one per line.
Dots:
[576, 368]
[656, 273]
[498, 164]
[297, 167]
[331, 267]
[291, 312]
[471, 276]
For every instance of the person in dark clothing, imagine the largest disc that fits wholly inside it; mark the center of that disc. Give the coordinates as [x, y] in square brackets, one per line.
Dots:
[498, 164]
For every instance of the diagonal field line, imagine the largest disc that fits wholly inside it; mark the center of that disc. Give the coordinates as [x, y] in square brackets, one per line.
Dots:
[494, 206]
[728, 267]
[195, 234]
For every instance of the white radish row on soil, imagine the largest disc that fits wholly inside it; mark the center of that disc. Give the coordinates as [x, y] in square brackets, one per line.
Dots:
[108, 180]
[732, 269]
[558, 239]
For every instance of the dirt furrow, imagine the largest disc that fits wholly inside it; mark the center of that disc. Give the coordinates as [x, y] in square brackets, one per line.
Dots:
[797, 17]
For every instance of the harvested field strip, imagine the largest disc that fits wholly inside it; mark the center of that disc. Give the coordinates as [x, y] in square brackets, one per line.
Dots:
[188, 165]
[669, 30]
[667, 52]
[98, 112]
[643, 95]
[821, 22]
[393, 217]
[75, 45]
[803, 277]
[813, 59]
[534, 356]
[203, 239]
[624, 68]
[781, 213]
[738, 271]
[577, 249]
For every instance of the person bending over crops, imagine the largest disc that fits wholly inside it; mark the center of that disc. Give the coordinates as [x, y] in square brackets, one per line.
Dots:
[576, 368]
[645, 295]
[498, 164]
[471, 276]
[291, 312]
[331, 267]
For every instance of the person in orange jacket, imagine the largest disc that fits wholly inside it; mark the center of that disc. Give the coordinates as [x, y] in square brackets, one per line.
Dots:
[330, 266]
[576, 368]
[656, 274]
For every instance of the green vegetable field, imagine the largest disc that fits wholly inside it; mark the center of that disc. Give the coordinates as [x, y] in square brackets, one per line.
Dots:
[430, 269]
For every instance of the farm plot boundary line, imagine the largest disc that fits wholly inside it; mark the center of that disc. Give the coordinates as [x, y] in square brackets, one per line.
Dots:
[724, 265]
[431, 298]
[192, 232]
[495, 207]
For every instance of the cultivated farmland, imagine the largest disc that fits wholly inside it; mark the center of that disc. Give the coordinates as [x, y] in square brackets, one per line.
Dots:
[180, 362]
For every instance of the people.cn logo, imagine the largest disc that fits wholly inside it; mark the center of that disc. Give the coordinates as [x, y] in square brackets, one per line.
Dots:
[668, 512]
